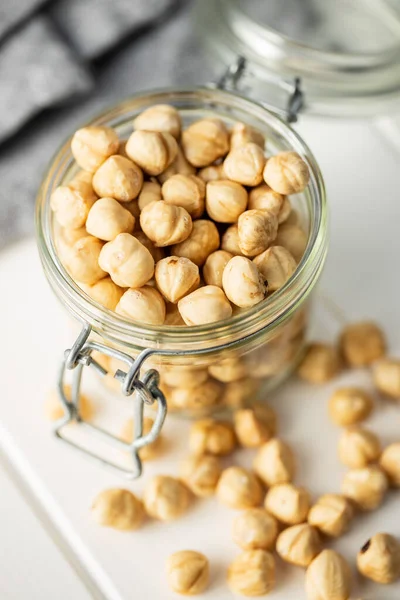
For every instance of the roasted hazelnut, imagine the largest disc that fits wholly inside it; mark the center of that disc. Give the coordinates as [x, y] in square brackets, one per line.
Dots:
[71, 203]
[263, 197]
[299, 544]
[160, 117]
[239, 393]
[254, 426]
[201, 474]
[276, 265]
[274, 462]
[82, 261]
[362, 343]
[242, 134]
[105, 292]
[228, 369]
[208, 436]
[205, 141]
[179, 166]
[230, 241]
[91, 146]
[257, 229]
[331, 514]
[212, 173]
[286, 173]
[128, 262]
[386, 376]
[143, 305]
[184, 376]
[293, 238]
[349, 405]
[187, 191]
[239, 488]
[202, 240]
[205, 305]
[288, 503]
[379, 558]
[252, 573]
[176, 277]
[165, 224]
[107, 218]
[366, 487]
[151, 150]
[150, 192]
[390, 463]
[119, 509]
[150, 451]
[165, 498]
[188, 572]
[225, 200]
[328, 577]
[156, 252]
[118, 178]
[243, 283]
[214, 267]
[196, 400]
[245, 164]
[320, 363]
[54, 409]
[358, 447]
[254, 529]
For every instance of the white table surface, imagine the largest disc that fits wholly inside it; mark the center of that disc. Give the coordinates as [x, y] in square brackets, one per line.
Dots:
[51, 547]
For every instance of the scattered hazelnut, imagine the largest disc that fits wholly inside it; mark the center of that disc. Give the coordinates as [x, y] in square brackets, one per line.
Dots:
[54, 409]
[252, 573]
[274, 462]
[390, 463]
[150, 192]
[320, 363]
[151, 150]
[286, 173]
[197, 400]
[144, 305]
[358, 447]
[82, 261]
[160, 117]
[293, 238]
[165, 498]
[176, 277]
[202, 240]
[105, 292]
[276, 265]
[242, 282]
[205, 305]
[331, 514]
[299, 544]
[165, 224]
[328, 577]
[184, 376]
[245, 164]
[225, 200]
[242, 134]
[239, 488]
[255, 529]
[366, 487]
[212, 437]
[107, 218]
[228, 369]
[254, 426]
[257, 229]
[214, 267]
[118, 178]
[201, 474]
[205, 141]
[91, 146]
[288, 503]
[188, 572]
[212, 173]
[362, 343]
[187, 191]
[119, 509]
[379, 558]
[150, 451]
[128, 262]
[71, 203]
[386, 376]
[349, 405]
[230, 241]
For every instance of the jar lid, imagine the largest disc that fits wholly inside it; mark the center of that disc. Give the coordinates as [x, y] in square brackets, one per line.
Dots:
[345, 52]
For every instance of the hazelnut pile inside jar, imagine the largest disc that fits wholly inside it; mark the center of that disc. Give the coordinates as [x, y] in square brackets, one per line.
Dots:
[184, 227]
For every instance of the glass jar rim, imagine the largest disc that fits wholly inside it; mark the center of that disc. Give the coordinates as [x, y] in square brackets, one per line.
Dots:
[267, 314]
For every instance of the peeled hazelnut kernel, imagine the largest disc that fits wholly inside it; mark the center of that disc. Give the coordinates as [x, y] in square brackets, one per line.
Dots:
[119, 509]
[239, 488]
[173, 316]
[276, 265]
[299, 544]
[165, 224]
[245, 164]
[242, 282]
[156, 253]
[83, 177]
[257, 229]
[286, 173]
[54, 409]
[230, 241]
[293, 238]
[274, 462]
[252, 573]
[320, 363]
[176, 277]
[91, 146]
[196, 400]
[238, 393]
[128, 262]
[151, 150]
[362, 343]
[358, 447]
[160, 117]
[82, 260]
[200, 243]
[184, 376]
[187, 191]
[214, 267]
[390, 463]
[366, 487]
[205, 141]
[212, 437]
[201, 474]
[225, 200]
[165, 498]
[107, 218]
[118, 178]
[178, 166]
[386, 376]
[71, 203]
[331, 514]
[288, 503]
[228, 369]
[242, 134]
[65, 238]
[188, 572]
[144, 305]
[105, 292]
[205, 305]
[212, 173]
[349, 405]
[254, 529]
[379, 558]
[150, 451]
[263, 197]
[328, 577]
[254, 426]
[150, 192]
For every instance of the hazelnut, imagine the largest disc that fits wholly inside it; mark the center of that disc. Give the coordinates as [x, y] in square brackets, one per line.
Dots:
[390, 463]
[66, 238]
[288, 503]
[134, 209]
[379, 558]
[212, 437]
[239, 393]
[188, 572]
[144, 305]
[255, 529]
[173, 316]
[362, 343]
[107, 218]
[257, 229]
[245, 164]
[228, 369]
[54, 410]
[119, 509]
[71, 203]
[252, 573]
[151, 150]
[150, 451]
[200, 243]
[366, 487]
[201, 474]
[230, 241]
[214, 267]
[160, 117]
[254, 426]
[176, 277]
[358, 447]
[328, 577]
[242, 134]
[165, 224]
[386, 376]
[150, 192]
[165, 498]
[293, 238]
[263, 197]
[331, 514]
[276, 265]
[105, 292]
[83, 176]
[286, 173]
[187, 191]
[128, 262]
[274, 462]
[91, 146]
[349, 405]
[118, 178]
[239, 488]
[205, 141]
[212, 173]
[82, 261]
[225, 200]
[205, 305]
[157, 253]
[320, 363]
[178, 166]
[242, 282]
[184, 376]
[298, 544]
[196, 400]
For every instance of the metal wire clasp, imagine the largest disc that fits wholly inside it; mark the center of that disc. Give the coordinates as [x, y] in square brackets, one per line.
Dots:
[145, 391]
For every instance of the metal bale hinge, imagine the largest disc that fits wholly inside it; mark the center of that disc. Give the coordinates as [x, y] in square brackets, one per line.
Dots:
[144, 391]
